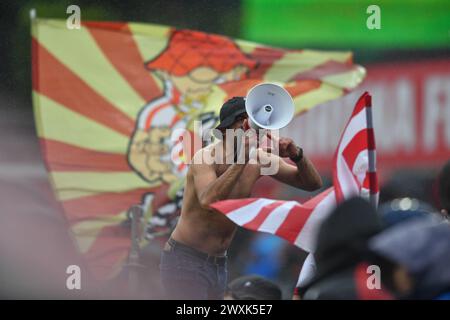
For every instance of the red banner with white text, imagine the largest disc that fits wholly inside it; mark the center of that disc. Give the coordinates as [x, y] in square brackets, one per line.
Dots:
[411, 115]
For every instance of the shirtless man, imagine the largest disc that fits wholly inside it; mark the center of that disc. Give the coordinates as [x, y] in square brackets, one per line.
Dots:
[193, 262]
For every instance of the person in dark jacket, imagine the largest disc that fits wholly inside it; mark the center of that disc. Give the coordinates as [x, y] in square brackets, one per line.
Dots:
[404, 209]
[417, 256]
[444, 190]
[342, 268]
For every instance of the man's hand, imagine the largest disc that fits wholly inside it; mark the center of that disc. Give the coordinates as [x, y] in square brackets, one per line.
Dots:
[287, 147]
[303, 175]
[246, 148]
[243, 150]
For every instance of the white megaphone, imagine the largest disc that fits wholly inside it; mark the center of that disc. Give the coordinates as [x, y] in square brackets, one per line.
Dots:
[269, 106]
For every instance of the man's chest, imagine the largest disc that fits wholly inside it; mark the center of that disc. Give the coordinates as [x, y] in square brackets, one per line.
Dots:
[246, 181]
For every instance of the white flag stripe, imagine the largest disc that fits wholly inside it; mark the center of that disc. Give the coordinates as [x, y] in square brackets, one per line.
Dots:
[167, 98]
[308, 270]
[356, 124]
[306, 238]
[277, 217]
[346, 180]
[349, 187]
[249, 212]
[361, 166]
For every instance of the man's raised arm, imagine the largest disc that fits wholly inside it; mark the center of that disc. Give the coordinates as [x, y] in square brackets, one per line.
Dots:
[303, 175]
[211, 188]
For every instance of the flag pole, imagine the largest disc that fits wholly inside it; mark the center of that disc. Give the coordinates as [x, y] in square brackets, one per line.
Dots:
[373, 199]
[33, 14]
[134, 265]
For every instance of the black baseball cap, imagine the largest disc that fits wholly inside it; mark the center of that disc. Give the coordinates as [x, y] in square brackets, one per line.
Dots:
[230, 110]
[254, 287]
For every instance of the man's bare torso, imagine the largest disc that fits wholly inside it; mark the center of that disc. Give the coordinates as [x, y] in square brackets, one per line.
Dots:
[204, 229]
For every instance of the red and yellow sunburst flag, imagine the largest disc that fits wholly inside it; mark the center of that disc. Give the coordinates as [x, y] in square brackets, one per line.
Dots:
[109, 96]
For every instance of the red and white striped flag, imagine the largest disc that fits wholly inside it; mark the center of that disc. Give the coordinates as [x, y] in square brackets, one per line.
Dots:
[353, 174]
[354, 162]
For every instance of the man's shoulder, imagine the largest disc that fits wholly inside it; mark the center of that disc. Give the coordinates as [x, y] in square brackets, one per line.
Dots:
[204, 156]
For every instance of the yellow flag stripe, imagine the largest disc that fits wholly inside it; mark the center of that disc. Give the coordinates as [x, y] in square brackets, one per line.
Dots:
[150, 40]
[248, 47]
[59, 123]
[71, 194]
[308, 100]
[77, 50]
[86, 232]
[300, 61]
[351, 78]
[64, 195]
[98, 181]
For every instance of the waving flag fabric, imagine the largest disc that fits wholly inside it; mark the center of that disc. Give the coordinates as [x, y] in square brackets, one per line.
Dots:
[108, 97]
[299, 223]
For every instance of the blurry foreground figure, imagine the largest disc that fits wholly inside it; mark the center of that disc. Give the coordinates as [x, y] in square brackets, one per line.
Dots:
[444, 190]
[307, 273]
[341, 254]
[252, 288]
[414, 258]
[404, 209]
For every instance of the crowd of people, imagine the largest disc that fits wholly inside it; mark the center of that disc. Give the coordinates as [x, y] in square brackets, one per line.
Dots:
[400, 251]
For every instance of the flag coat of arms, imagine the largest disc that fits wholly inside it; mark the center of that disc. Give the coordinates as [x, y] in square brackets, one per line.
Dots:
[108, 97]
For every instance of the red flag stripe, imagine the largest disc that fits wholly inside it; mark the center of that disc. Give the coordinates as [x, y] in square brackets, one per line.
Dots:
[370, 139]
[325, 69]
[368, 99]
[229, 206]
[361, 104]
[102, 204]
[238, 88]
[61, 156]
[114, 26]
[266, 58]
[355, 147]
[371, 182]
[293, 223]
[262, 215]
[302, 86]
[123, 53]
[51, 80]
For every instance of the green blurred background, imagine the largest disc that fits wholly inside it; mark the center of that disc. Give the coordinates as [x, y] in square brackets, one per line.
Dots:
[419, 24]
[411, 29]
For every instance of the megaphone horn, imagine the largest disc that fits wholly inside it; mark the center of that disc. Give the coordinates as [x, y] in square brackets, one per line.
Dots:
[269, 106]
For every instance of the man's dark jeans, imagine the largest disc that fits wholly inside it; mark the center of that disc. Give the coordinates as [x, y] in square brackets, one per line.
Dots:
[189, 274]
